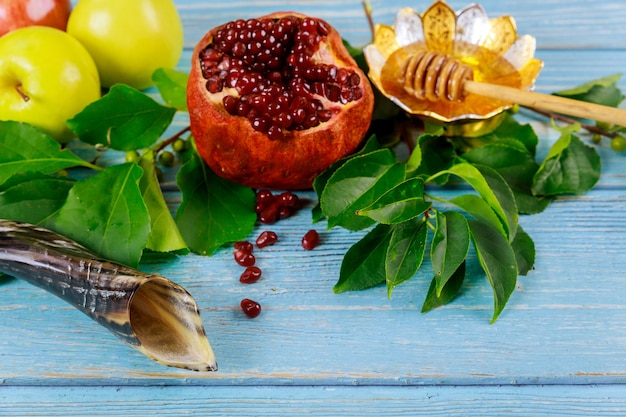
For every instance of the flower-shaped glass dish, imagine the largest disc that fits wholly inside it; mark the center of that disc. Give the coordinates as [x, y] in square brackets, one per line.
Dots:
[490, 47]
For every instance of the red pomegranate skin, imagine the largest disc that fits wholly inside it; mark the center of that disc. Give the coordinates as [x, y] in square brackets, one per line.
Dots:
[15, 14]
[235, 151]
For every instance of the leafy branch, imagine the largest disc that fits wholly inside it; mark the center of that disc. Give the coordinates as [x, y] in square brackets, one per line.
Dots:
[399, 203]
[119, 210]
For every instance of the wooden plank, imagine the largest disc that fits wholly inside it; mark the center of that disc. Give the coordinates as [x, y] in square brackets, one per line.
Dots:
[469, 401]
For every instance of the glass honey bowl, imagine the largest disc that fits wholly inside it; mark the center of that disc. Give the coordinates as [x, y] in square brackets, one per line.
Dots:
[491, 48]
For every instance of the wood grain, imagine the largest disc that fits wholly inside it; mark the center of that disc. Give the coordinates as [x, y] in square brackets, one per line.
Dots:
[473, 401]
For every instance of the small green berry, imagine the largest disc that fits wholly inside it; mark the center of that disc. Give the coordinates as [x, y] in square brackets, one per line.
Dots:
[618, 144]
[515, 108]
[132, 156]
[596, 138]
[179, 145]
[604, 125]
[166, 158]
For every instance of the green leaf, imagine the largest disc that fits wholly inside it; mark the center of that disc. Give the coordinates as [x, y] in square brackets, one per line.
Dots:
[172, 86]
[415, 160]
[319, 183]
[478, 208]
[401, 203]
[214, 211]
[504, 195]
[524, 249]
[164, 234]
[600, 91]
[511, 131]
[363, 266]
[571, 167]
[34, 198]
[124, 119]
[449, 247]
[357, 184]
[106, 213]
[437, 155]
[516, 165]
[498, 260]
[24, 148]
[405, 252]
[447, 293]
[474, 177]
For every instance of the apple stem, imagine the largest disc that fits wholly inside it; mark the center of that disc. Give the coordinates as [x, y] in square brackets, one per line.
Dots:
[22, 94]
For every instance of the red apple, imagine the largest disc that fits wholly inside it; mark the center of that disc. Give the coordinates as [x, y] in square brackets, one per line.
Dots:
[19, 13]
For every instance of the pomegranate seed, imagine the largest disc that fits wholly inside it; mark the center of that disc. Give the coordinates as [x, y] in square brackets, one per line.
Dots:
[250, 275]
[267, 238]
[311, 240]
[239, 49]
[325, 115]
[288, 199]
[263, 199]
[243, 108]
[284, 212]
[269, 214]
[333, 93]
[342, 76]
[214, 84]
[230, 104]
[299, 115]
[357, 93]
[251, 308]
[309, 24]
[275, 133]
[355, 79]
[244, 258]
[261, 124]
[322, 28]
[284, 120]
[244, 246]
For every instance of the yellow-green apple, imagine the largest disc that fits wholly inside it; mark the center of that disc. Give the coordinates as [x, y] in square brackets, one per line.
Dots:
[46, 78]
[129, 40]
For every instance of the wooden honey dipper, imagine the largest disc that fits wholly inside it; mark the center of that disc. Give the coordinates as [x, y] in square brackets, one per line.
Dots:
[435, 76]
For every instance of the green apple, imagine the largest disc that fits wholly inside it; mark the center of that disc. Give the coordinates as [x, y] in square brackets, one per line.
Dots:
[46, 78]
[129, 40]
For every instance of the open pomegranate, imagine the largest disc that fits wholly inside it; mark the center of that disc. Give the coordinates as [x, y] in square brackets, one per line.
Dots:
[276, 100]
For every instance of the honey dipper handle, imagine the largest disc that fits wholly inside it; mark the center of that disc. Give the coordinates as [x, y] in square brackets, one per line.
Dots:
[548, 102]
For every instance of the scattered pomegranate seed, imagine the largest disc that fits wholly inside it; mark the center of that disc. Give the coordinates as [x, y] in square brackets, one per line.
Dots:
[269, 214]
[244, 258]
[264, 197]
[310, 240]
[288, 199]
[267, 238]
[250, 307]
[271, 208]
[284, 212]
[244, 246]
[250, 275]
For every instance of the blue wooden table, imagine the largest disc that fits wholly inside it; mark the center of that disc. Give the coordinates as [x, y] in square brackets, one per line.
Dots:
[559, 347]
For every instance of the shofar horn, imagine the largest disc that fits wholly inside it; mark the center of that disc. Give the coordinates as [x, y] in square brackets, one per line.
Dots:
[151, 313]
